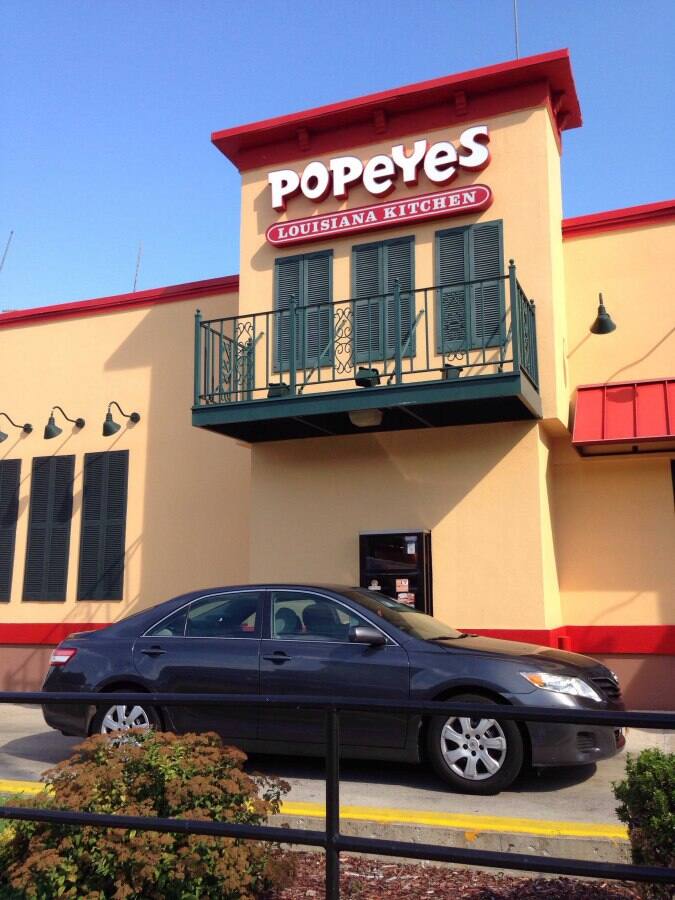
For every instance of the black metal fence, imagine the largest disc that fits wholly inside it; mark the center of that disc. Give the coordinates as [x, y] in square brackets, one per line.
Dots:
[331, 839]
[485, 326]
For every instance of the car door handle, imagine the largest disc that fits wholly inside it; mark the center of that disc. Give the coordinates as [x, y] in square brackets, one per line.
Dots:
[153, 651]
[277, 657]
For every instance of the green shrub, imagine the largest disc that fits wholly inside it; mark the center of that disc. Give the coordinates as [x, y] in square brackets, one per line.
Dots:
[647, 797]
[154, 774]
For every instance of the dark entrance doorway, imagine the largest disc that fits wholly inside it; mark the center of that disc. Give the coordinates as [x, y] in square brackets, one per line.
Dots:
[398, 563]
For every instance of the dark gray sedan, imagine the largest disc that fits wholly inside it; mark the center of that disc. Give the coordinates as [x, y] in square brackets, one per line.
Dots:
[348, 642]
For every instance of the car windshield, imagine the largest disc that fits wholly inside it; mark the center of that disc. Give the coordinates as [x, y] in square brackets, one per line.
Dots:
[412, 622]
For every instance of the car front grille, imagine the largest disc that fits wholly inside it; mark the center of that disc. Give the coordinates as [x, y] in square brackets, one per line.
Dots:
[608, 685]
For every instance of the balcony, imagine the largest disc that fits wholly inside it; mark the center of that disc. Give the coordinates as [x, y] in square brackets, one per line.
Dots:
[449, 354]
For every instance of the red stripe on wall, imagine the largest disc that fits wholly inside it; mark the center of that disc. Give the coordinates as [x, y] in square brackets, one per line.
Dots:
[51, 633]
[618, 219]
[617, 639]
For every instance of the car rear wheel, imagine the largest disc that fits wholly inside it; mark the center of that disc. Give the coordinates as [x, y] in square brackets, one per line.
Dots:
[476, 756]
[121, 717]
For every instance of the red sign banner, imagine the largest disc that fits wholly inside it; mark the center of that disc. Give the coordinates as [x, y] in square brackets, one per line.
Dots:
[436, 205]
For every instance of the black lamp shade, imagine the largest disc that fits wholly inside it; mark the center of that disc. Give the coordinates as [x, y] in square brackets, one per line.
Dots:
[366, 377]
[52, 430]
[110, 427]
[603, 322]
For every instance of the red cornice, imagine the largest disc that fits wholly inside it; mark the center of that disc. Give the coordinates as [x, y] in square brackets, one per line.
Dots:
[617, 219]
[545, 79]
[608, 639]
[191, 290]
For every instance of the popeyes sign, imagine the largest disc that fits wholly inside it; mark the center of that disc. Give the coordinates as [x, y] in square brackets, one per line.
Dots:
[440, 162]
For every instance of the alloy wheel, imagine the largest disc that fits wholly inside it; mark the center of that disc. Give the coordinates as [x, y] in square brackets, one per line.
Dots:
[122, 718]
[474, 749]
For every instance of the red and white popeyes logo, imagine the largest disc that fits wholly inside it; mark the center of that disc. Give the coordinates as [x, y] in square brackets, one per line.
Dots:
[440, 162]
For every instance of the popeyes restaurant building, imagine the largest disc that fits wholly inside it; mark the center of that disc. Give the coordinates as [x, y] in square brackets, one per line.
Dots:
[400, 388]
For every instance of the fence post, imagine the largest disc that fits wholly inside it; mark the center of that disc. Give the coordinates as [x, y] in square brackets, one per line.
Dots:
[292, 361]
[198, 353]
[515, 316]
[398, 364]
[332, 803]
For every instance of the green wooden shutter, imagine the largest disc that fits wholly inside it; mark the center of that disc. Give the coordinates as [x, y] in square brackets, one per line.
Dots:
[104, 514]
[367, 287]
[10, 470]
[398, 264]
[308, 279]
[454, 309]
[51, 508]
[287, 284]
[488, 296]
[317, 319]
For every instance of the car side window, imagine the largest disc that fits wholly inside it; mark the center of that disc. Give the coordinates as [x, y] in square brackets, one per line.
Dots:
[301, 616]
[225, 616]
[173, 626]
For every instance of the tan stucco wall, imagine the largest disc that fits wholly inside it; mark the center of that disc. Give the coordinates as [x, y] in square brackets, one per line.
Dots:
[478, 489]
[634, 268]
[187, 520]
[614, 522]
[524, 175]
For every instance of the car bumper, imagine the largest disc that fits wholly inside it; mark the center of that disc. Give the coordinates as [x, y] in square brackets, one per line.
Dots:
[573, 745]
[71, 719]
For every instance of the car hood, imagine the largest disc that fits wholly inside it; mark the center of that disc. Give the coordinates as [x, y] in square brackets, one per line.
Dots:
[531, 654]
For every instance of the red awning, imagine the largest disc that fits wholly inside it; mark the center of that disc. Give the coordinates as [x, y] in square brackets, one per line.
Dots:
[626, 417]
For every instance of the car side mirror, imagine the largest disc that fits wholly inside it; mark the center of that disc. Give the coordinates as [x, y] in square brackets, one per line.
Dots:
[366, 634]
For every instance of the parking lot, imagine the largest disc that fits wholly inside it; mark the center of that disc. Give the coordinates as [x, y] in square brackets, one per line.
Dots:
[559, 797]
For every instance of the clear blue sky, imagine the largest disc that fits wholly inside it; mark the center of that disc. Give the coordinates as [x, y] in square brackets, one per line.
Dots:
[106, 109]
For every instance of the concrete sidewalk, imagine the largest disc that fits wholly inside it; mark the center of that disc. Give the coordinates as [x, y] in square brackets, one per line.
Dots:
[565, 812]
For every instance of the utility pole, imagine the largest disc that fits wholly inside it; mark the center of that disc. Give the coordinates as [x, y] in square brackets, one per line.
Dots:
[138, 264]
[4, 255]
[515, 27]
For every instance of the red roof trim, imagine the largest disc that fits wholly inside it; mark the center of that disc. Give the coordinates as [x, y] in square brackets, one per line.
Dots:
[626, 412]
[406, 109]
[617, 219]
[191, 290]
[617, 639]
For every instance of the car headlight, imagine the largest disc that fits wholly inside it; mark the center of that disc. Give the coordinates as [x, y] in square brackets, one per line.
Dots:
[562, 684]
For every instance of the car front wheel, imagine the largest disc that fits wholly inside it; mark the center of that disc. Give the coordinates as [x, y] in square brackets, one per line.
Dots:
[475, 756]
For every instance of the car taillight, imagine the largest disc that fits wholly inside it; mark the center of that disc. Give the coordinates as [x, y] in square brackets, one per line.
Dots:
[61, 656]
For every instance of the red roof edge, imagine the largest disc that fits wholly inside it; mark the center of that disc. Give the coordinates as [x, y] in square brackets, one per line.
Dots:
[191, 290]
[292, 136]
[617, 219]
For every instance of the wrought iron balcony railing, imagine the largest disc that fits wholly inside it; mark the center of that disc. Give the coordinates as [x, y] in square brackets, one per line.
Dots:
[444, 332]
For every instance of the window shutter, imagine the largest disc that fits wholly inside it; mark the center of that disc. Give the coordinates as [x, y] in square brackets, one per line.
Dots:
[454, 301]
[287, 286]
[398, 262]
[367, 312]
[317, 324]
[51, 508]
[10, 470]
[488, 296]
[104, 513]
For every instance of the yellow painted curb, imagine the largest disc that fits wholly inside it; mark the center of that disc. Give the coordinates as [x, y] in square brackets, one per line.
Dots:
[472, 823]
[465, 822]
[21, 787]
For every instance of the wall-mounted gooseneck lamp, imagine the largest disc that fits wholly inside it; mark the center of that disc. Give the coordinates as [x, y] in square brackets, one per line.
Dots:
[603, 323]
[52, 430]
[26, 428]
[111, 427]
